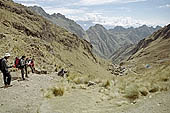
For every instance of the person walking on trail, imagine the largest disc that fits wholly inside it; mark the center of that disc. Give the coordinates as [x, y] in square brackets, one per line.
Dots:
[31, 64]
[26, 66]
[22, 66]
[4, 70]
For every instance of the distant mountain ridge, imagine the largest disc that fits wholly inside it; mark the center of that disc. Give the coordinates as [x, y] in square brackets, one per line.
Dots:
[105, 42]
[157, 45]
[61, 21]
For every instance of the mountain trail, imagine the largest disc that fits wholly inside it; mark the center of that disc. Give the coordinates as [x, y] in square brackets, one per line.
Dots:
[28, 97]
[24, 96]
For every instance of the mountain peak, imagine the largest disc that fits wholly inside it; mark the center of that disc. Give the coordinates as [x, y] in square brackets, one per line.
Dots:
[99, 26]
[119, 28]
[39, 10]
[58, 15]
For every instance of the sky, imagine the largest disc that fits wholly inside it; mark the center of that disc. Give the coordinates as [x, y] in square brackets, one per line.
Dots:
[109, 13]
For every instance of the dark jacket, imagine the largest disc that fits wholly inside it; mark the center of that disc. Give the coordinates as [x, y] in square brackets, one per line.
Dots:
[22, 63]
[5, 66]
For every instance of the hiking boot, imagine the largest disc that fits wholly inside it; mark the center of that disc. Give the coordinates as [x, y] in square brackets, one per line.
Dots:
[9, 85]
[6, 86]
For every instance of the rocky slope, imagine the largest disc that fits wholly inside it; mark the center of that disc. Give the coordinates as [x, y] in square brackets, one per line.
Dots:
[22, 32]
[107, 42]
[62, 21]
[154, 48]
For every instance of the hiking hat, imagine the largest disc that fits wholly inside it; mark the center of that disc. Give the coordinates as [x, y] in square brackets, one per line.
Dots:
[7, 55]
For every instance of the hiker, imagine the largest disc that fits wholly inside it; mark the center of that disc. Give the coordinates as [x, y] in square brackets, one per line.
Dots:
[4, 70]
[16, 62]
[62, 72]
[22, 66]
[26, 66]
[31, 64]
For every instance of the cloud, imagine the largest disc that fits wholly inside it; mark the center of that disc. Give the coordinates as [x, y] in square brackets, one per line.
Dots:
[30, 4]
[63, 10]
[165, 6]
[24, 0]
[98, 18]
[101, 2]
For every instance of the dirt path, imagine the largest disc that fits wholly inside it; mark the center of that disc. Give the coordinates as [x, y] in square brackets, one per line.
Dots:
[27, 97]
[24, 96]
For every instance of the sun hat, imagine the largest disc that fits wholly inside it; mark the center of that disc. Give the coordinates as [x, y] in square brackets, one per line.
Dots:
[7, 55]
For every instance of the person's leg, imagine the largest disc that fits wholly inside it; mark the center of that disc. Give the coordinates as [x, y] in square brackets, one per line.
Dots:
[26, 72]
[8, 78]
[4, 78]
[32, 69]
[22, 73]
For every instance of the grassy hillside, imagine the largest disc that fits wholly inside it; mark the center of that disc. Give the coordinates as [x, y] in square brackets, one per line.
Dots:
[23, 32]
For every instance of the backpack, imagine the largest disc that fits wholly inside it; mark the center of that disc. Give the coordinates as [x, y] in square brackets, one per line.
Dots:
[1, 64]
[17, 63]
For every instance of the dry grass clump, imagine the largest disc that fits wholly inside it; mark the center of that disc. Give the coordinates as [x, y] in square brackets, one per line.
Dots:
[55, 91]
[164, 86]
[131, 92]
[79, 78]
[154, 88]
[105, 84]
[58, 91]
[143, 91]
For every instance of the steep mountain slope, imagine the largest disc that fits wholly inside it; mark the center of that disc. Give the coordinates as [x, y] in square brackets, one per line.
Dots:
[104, 42]
[107, 42]
[154, 49]
[62, 21]
[23, 32]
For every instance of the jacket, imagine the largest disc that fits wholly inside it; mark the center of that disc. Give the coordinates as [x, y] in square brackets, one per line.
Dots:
[5, 66]
[22, 63]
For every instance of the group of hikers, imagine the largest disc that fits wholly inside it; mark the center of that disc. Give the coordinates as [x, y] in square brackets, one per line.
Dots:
[23, 63]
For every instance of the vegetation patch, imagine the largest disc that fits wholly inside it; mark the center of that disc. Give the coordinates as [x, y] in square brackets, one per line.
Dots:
[131, 92]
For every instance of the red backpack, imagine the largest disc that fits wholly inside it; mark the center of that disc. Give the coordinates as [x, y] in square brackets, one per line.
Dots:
[17, 62]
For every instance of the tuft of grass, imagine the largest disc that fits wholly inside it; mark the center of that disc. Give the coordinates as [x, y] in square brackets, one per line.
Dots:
[48, 95]
[58, 91]
[154, 88]
[106, 84]
[131, 92]
[78, 80]
[143, 91]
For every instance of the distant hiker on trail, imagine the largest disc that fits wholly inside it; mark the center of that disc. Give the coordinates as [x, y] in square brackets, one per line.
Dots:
[4, 69]
[22, 66]
[26, 66]
[31, 64]
[62, 72]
